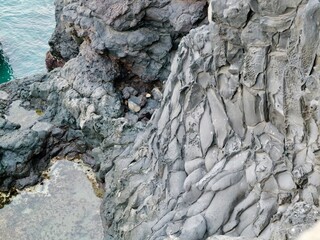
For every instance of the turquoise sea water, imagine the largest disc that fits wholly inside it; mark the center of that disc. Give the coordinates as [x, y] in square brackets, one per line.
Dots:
[25, 28]
[6, 72]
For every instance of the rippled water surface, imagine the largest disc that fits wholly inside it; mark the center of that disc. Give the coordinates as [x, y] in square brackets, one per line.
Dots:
[25, 28]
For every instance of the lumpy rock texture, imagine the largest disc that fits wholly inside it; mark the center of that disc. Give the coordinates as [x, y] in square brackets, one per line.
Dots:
[139, 34]
[234, 144]
[99, 99]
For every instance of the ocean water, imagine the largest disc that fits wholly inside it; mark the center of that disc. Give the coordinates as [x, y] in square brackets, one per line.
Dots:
[6, 72]
[25, 28]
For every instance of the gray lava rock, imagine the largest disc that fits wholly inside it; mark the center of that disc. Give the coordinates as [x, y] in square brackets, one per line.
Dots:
[156, 94]
[133, 106]
[194, 228]
[19, 152]
[230, 238]
[235, 141]
[141, 35]
[127, 92]
[234, 146]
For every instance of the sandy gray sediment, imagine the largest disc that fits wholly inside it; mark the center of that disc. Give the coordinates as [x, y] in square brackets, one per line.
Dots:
[64, 206]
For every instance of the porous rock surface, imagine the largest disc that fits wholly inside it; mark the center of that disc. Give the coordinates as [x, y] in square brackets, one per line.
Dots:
[233, 148]
[138, 34]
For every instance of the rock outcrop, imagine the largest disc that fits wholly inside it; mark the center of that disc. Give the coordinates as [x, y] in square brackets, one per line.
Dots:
[235, 142]
[94, 100]
[28, 137]
[232, 149]
[140, 35]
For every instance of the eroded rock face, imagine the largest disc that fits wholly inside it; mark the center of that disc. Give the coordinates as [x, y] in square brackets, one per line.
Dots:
[29, 139]
[139, 34]
[235, 141]
[82, 105]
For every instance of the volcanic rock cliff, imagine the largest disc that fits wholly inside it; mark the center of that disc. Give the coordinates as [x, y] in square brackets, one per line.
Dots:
[233, 147]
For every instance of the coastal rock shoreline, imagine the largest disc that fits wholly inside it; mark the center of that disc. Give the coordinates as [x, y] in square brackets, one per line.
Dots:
[197, 127]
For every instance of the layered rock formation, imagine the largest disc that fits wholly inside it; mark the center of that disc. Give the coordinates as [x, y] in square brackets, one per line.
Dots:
[233, 148]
